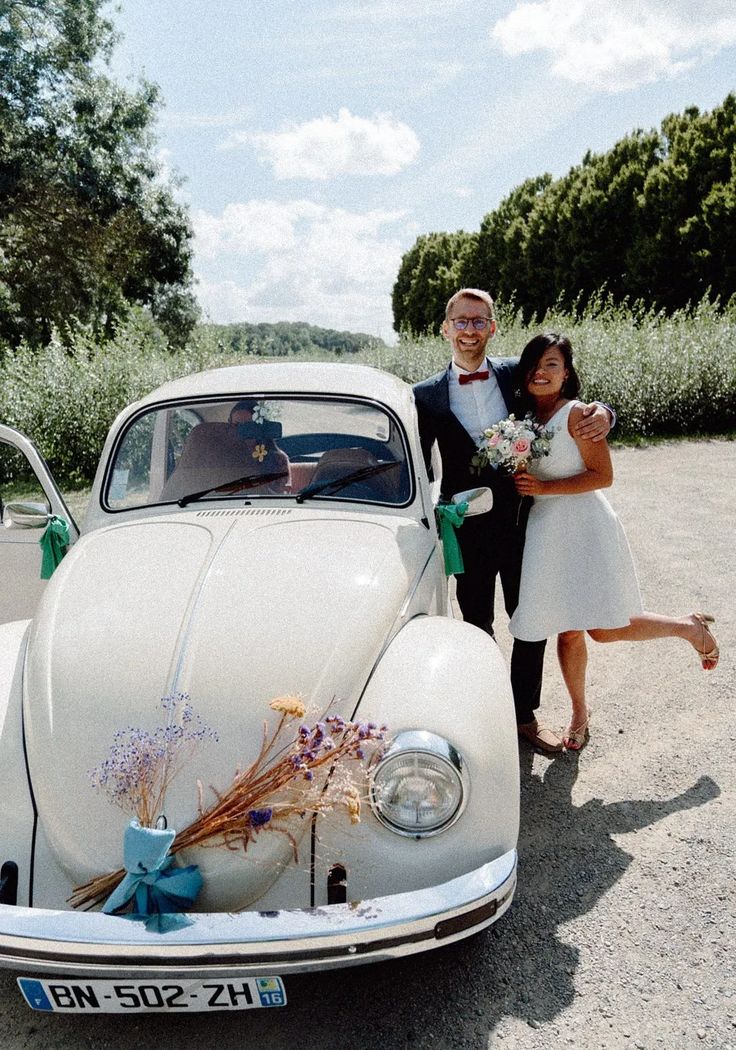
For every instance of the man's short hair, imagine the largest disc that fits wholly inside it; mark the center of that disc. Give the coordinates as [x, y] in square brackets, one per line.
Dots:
[470, 293]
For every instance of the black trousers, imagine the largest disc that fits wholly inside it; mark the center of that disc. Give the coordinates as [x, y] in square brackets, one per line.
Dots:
[492, 546]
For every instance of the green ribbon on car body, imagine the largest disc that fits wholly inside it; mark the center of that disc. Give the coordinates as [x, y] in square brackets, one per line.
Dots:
[450, 517]
[54, 544]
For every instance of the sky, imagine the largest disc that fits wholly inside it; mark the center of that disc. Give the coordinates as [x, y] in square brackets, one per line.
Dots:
[315, 140]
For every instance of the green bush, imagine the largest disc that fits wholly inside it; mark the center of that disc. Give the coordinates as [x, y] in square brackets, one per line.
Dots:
[66, 395]
[664, 375]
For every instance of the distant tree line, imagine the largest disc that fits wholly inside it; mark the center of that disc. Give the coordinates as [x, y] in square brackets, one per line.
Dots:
[88, 226]
[653, 220]
[283, 338]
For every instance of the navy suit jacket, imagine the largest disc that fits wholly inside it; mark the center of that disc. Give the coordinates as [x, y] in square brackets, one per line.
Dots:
[438, 423]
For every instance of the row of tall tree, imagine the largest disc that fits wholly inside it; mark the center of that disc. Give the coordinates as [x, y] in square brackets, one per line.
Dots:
[88, 225]
[286, 337]
[653, 219]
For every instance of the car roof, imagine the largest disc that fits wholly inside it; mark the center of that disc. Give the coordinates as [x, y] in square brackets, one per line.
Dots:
[289, 377]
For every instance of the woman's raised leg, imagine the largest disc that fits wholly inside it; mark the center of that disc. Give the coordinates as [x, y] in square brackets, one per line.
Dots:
[647, 626]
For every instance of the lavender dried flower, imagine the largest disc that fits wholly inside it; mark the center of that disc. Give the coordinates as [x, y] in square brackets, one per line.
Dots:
[142, 764]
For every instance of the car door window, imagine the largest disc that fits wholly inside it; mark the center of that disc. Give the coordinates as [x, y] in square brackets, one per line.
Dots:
[20, 554]
[18, 481]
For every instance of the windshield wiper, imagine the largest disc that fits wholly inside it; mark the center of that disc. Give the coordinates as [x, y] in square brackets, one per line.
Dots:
[335, 484]
[247, 481]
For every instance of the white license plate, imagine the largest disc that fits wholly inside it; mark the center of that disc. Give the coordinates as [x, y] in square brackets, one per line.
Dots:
[121, 997]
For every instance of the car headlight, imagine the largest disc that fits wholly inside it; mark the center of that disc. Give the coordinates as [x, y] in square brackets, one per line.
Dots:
[420, 786]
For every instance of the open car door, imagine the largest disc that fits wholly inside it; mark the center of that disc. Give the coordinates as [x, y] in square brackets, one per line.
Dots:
[28, 498]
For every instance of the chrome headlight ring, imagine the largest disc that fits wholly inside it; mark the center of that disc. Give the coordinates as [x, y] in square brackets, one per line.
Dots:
[420, 786]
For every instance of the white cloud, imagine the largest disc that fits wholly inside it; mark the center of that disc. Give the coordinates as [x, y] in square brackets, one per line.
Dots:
[307, 262]
[325, 148]
[617, 47]
[256, 226]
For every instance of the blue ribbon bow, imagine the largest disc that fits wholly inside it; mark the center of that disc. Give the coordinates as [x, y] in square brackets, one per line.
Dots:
[450, 517]
[54, 542]
[156, 888]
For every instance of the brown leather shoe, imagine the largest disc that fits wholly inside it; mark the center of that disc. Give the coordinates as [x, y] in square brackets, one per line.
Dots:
[540, 736]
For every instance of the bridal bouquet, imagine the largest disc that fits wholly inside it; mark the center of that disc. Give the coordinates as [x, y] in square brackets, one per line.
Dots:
[512, 444]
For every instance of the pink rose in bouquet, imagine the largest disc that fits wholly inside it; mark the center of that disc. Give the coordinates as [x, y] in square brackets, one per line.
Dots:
[521, 447]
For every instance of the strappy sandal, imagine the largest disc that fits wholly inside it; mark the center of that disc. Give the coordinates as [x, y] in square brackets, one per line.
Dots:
[709, 658]
[540, 736]
[576, 737]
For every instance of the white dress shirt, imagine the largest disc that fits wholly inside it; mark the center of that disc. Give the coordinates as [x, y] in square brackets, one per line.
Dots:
[477, 405]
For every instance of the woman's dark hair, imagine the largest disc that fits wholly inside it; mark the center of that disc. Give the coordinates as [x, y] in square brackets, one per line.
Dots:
[530, 358]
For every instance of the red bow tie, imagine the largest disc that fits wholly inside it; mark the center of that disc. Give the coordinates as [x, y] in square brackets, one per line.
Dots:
[470, 377]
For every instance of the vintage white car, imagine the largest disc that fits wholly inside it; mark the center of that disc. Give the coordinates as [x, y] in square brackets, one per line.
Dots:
[252, 532]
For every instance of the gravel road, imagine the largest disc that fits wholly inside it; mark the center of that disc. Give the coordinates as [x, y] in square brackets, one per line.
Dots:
[622, 933]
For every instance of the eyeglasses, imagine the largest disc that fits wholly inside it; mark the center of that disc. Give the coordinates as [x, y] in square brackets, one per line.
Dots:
[478, 323]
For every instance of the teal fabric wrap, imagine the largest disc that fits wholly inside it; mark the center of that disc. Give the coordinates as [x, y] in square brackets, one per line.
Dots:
[156, 889]
[450, 517]
[54, 543]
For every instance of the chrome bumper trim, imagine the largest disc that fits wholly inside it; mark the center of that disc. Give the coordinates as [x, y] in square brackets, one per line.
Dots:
[251, 943]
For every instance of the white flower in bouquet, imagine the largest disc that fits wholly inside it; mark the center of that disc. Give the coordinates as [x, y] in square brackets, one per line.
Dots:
[512, 444]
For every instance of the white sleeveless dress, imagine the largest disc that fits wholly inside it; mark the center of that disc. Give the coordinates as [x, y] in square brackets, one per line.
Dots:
[577, 572]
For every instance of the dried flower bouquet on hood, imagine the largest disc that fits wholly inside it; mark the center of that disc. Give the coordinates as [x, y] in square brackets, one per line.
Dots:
[311, 771]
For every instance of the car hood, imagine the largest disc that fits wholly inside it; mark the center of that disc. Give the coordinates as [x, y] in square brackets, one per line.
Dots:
[232, 607]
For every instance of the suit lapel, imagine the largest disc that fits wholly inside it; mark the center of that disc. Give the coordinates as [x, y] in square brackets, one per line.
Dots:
[505, 377]
[439, 395]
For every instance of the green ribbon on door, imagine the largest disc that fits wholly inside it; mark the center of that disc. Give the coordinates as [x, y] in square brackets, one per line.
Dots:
[450, 517]
[54, 544]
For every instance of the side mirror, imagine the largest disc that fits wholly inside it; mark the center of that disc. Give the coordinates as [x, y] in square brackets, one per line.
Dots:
[479, 500]
[25, 516]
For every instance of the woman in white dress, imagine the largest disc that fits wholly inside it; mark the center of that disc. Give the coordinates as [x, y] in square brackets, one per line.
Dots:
[577, 574]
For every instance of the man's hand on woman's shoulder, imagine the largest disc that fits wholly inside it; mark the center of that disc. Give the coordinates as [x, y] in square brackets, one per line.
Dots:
[595, 422]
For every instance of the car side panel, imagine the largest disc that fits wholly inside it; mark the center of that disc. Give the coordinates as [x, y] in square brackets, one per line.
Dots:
[16, 806]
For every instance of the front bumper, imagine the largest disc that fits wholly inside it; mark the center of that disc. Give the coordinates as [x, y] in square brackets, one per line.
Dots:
[251, 943]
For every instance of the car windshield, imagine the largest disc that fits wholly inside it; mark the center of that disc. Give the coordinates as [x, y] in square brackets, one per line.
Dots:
[315, 448]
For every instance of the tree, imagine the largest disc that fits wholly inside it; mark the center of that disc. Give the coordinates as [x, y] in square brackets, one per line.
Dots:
[286, 337]
[688, 209]
[430, 273]
[87, 225]
[653, 219]
[584, 227]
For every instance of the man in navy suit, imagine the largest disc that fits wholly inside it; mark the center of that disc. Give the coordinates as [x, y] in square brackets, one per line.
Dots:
[454, 407]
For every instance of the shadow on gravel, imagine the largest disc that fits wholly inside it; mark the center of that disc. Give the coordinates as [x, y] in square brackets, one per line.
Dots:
[568, 860]
[455, 997]
[452, 997]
